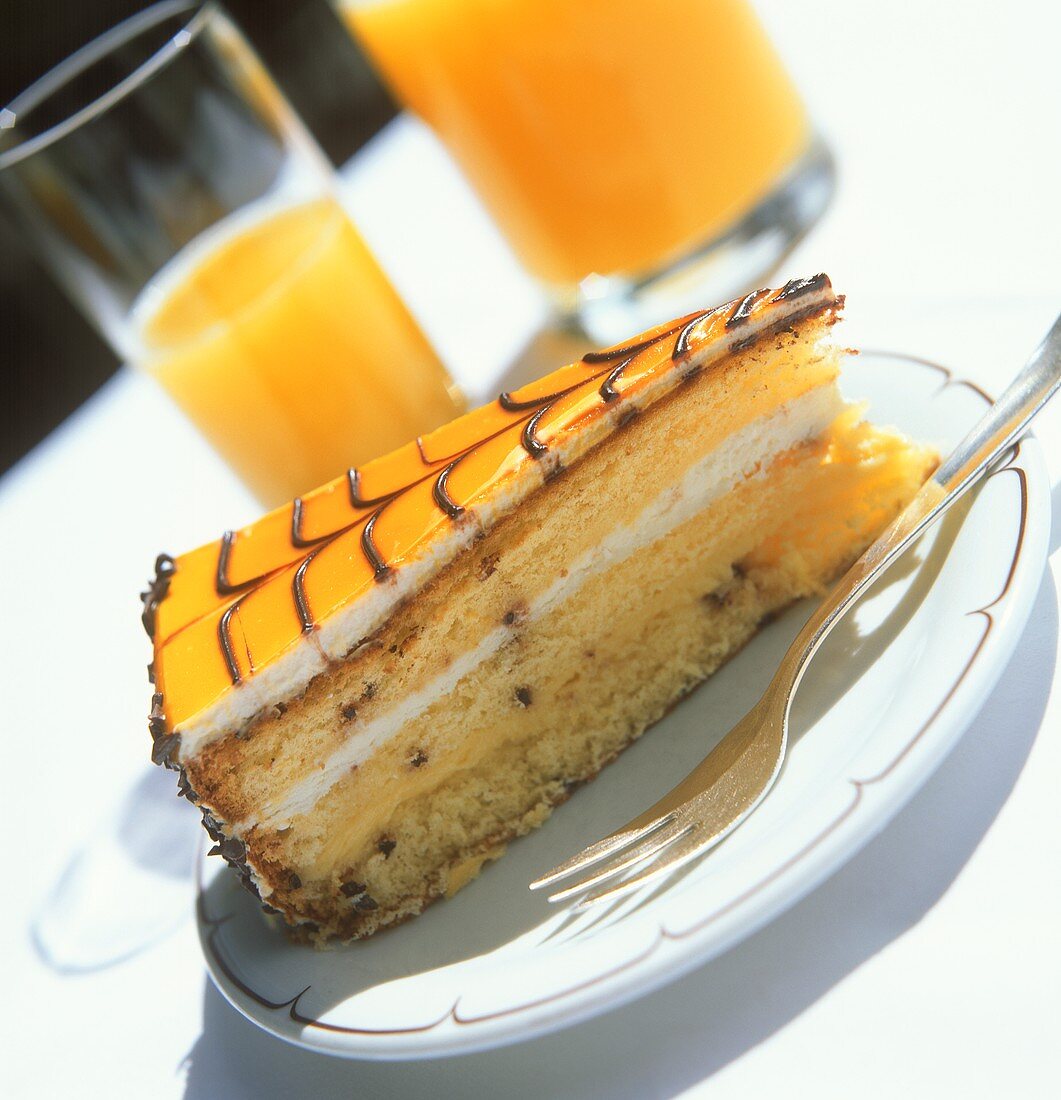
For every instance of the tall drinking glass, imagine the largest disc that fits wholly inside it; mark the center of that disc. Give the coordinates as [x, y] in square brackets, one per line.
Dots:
[188, 212]
[638, 154]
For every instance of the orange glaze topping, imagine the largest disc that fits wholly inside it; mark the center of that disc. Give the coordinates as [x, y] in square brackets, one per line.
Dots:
[220, 614]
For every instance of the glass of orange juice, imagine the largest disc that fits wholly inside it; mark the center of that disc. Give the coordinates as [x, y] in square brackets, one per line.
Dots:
[190, 214]
[640, 155]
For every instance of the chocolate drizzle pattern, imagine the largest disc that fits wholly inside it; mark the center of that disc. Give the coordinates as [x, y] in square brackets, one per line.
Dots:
[224, 554]
[441, 493]
[681, 345]
[510, 404]
[298, 589]
[356, 499]
[796, 288]
[224, 638]
[528, 437]
[607, 390]
[622, 351]
[742, 314]
[297, 509]
[367, 509]
[380, 568]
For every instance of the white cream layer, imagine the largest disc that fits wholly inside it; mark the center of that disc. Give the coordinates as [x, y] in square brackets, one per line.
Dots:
[745, 454]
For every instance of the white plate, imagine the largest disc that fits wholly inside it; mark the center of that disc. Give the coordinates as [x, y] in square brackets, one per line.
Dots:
[886, 699]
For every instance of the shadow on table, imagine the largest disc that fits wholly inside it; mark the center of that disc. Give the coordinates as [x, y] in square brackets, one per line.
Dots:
[143, 851]
[698, 1025]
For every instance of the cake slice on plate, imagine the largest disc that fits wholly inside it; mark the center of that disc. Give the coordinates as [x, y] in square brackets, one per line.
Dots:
[371, 691]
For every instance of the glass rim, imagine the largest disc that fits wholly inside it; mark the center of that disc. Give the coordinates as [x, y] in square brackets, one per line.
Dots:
[199, 12]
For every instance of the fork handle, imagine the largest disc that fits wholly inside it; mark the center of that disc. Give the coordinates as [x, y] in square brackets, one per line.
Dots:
[996, 431]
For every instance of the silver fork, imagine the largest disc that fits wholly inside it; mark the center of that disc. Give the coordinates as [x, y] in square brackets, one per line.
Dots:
[733, 779]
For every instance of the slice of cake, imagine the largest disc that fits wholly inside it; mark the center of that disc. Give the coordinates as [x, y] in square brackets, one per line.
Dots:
[371, 691]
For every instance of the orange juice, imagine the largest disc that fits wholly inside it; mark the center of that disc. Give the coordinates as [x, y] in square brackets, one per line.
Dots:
[606, 136]
[285, 343]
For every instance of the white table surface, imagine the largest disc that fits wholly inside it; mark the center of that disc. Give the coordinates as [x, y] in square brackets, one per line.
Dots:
[929, 966]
